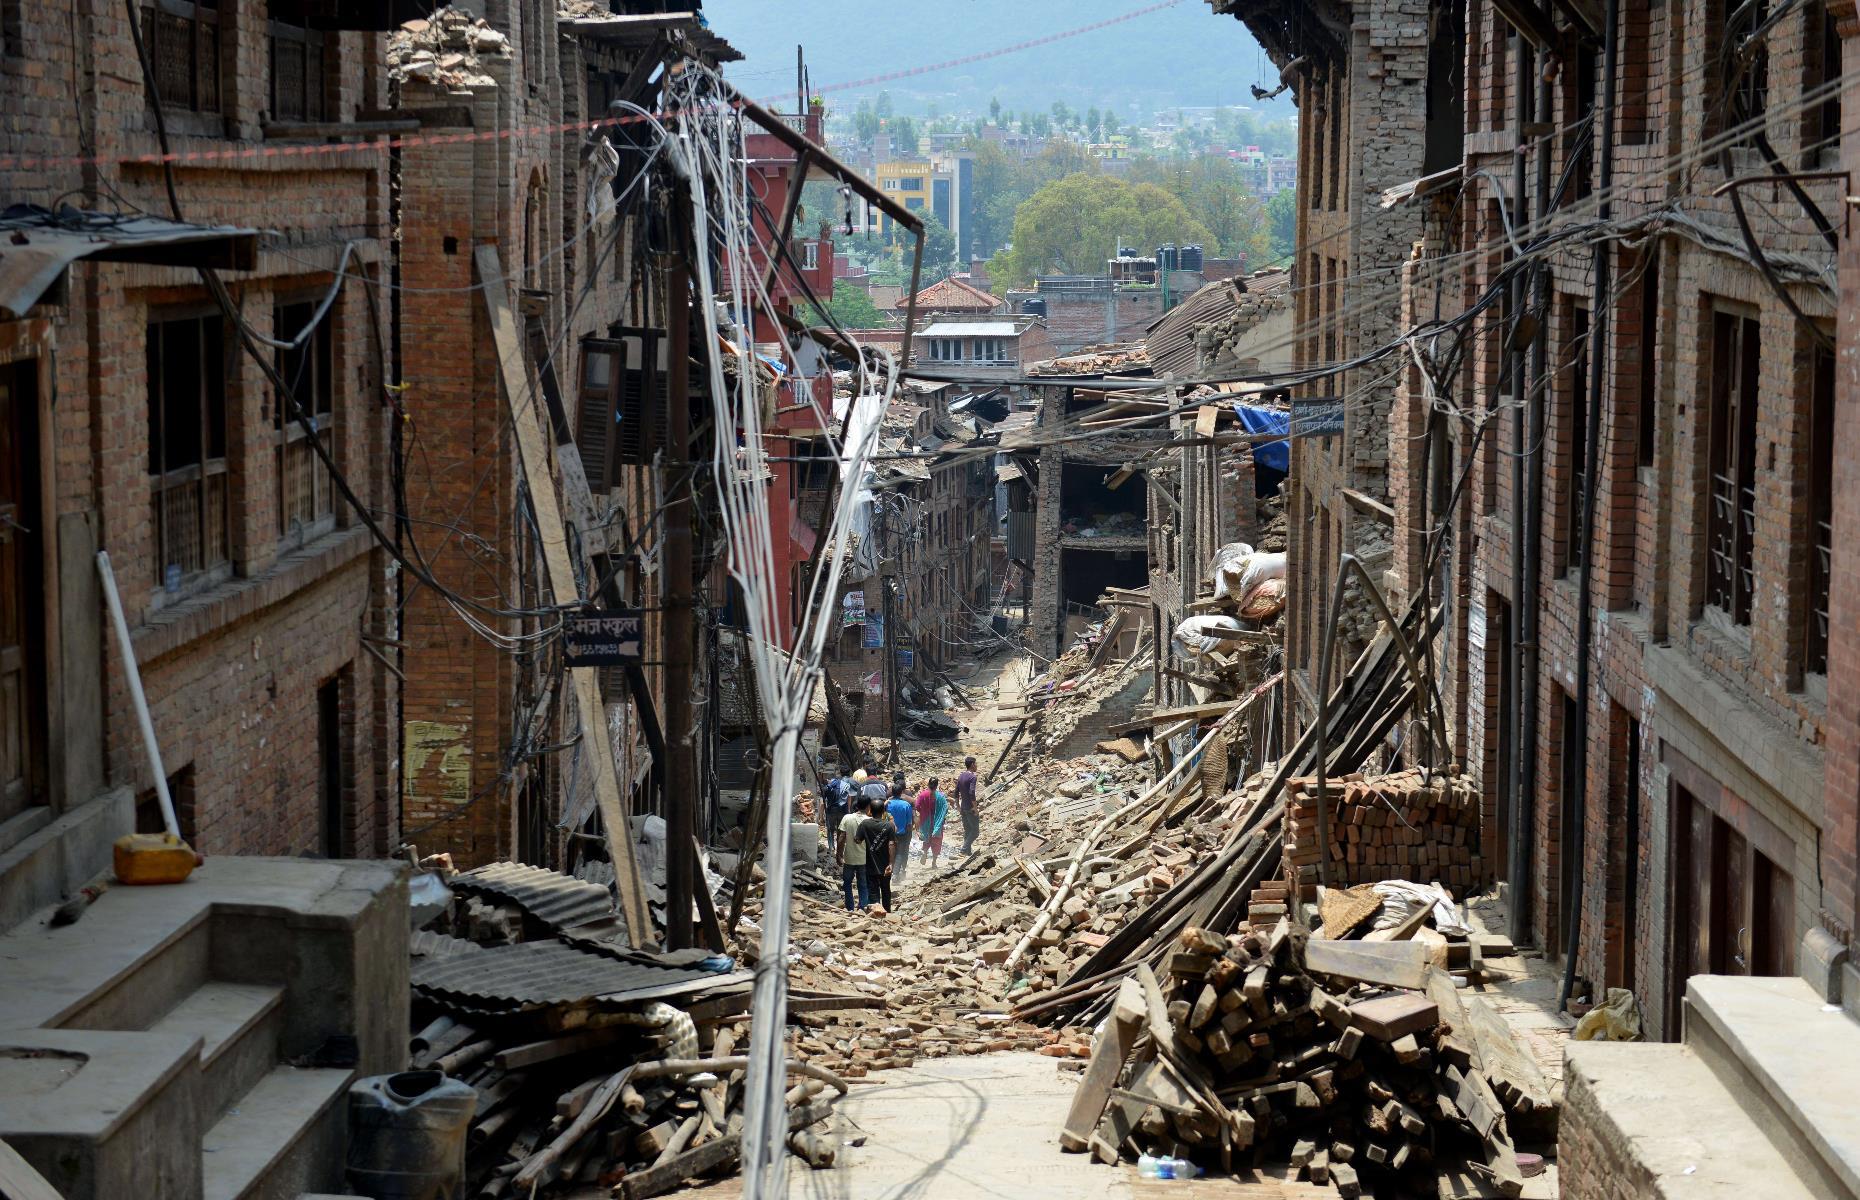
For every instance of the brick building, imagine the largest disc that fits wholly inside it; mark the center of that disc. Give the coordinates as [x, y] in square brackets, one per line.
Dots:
[932, 520]
[1694, 782]
[132, 420]
[507, 162]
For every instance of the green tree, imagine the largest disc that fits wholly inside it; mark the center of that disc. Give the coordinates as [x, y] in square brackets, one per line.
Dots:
[1110, 124]
[1072, 225]
[1282, 223]
[994, 109]
[1061, 114]
[866, 122]
[904, 134]
[883, 106]
[1094, 123]
[852, 308]
[1213, 191]
[939, 247]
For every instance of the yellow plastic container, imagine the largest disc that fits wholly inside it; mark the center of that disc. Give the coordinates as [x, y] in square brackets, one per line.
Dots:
[153, 858]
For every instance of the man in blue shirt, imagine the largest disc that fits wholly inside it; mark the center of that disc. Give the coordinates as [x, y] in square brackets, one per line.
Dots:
[903, 818]
[836, 792]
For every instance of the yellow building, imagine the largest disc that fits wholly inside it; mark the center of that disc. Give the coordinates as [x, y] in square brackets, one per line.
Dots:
[909, 183]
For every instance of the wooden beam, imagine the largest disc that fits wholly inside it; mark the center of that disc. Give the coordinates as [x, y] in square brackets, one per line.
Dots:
[1370, 505]
[1391, 964]
[552, 535]
[277, 130]
[1108, 1055]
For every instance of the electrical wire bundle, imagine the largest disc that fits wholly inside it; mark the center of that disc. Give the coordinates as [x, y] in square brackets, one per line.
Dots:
[710, 156]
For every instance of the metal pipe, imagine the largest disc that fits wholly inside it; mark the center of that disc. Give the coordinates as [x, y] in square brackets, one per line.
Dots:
[779, 128]
[1517, 829]
[133, 674]
[1576, 775]
[1528, 617]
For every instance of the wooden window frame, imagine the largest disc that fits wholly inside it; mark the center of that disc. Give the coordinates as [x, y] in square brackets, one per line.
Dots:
[1818, 469]
[311, 102]
[165, 480]
[1730, 465]
[202, 110]
[311, 373]
[1576, 351]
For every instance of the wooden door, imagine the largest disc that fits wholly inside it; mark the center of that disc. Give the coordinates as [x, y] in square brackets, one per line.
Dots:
[22, 679]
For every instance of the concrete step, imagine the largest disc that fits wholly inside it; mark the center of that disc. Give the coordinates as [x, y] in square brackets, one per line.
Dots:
[284, 1137]
[1653, 1120]
[1792, 1060]
[238, 1025]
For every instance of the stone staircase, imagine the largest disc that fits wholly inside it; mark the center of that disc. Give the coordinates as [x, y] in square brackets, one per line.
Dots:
[1756, 1102]
[145, 1050]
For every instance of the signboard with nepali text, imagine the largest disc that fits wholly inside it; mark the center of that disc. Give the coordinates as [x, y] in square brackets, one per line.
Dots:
[1320, 416]
[603, 638]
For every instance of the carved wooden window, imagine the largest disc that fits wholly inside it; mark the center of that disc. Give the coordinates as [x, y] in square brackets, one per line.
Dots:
[298, 57]
[183, 42]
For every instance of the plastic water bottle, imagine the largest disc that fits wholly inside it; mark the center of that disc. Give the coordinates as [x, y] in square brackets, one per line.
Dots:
[1154, 1167]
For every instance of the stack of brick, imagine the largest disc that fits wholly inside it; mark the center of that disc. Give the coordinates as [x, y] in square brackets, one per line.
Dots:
[1401, 826]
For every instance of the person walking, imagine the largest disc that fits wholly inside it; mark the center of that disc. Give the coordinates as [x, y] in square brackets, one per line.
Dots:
[837, 793]
[850, 851]
[872, 787]
[967, 806]
[903, 819]
[932, 808]
[879, 836]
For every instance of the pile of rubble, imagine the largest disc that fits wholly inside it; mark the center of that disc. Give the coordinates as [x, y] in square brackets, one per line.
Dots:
[447, 49]
[1351, 1063]
[1108, 359]
[593, 1064]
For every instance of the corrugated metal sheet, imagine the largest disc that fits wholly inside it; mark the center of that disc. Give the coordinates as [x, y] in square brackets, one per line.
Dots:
[532, 975]
[426, 944]
[1171, 340]
[557, 900]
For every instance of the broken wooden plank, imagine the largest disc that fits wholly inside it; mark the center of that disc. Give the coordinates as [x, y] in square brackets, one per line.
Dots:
[520, 397]
[1389, 964]
[1386, 1018]
[1512, 1072]
[1108, 1055]
[662, 1178]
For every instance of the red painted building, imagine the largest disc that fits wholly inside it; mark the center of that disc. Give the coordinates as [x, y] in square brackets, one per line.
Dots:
[797, 492]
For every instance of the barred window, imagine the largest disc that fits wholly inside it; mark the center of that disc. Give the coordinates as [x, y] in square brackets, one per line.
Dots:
[1731, 517]
[187, 447]
[298, 54]
[305, 492]
[183, 42]
[1820, 513]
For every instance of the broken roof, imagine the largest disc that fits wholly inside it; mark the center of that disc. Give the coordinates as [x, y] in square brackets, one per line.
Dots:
[37, 244]
[954, 294]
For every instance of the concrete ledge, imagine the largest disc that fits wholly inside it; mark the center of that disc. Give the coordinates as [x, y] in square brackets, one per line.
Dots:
[49, 864]
[1622, 1134]
[122, 1119]
[1792, 1060]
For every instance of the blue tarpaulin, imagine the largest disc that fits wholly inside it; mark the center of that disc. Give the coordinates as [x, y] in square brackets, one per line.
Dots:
[1271, 460]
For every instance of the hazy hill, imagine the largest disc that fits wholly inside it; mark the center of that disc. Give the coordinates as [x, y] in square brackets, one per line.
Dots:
[1182, 55]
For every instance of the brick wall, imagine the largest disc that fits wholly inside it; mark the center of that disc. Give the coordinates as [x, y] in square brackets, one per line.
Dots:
[232, 658]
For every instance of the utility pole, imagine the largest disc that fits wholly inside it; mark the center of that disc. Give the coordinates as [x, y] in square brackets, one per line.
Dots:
[890, 650]
[681, 781]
